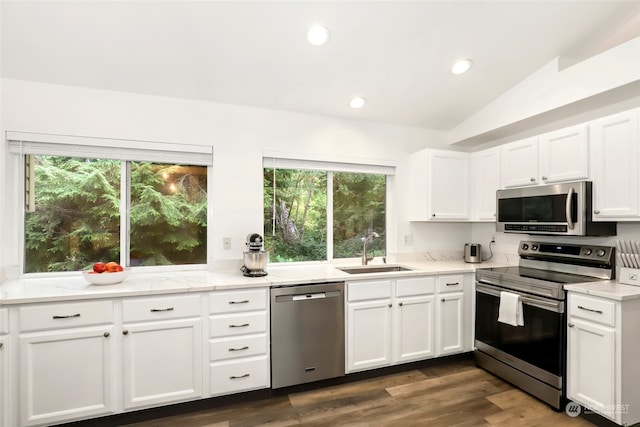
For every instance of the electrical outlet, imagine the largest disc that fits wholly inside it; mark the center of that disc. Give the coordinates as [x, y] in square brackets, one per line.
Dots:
[408, 239]
[226, 243]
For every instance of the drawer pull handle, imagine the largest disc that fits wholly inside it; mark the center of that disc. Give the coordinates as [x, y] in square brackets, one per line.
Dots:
[453, 284]
[246, 347]
[244, 325]
[590, 309]
[67, 317]
[156, 310]
[239, 302]
[233, 377]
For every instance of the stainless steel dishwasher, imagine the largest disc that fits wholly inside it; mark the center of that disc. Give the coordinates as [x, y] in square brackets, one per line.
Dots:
[307, 333]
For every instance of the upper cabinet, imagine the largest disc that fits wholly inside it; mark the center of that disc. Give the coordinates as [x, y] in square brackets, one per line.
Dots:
[557, 156]
[440, 185]
[485, 170]
[615, 160]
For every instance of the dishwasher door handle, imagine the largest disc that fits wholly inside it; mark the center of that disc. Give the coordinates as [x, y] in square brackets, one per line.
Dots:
[304, 297]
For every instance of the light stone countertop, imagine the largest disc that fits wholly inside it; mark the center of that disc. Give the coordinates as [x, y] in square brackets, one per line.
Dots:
[74, 287]
[610, 289]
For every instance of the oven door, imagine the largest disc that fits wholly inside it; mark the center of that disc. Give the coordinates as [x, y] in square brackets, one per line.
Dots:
[538, 348]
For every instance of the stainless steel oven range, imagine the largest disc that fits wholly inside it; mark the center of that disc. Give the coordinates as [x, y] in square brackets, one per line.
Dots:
[533, 356]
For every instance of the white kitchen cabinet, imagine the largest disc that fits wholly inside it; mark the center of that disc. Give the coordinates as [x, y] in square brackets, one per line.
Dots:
[519, 163]
[239, 354]
[389, 321]
[4, 381]
[450, 312]
[162, 350]
[615, 159]
[485, 170]
[602, 345]
[66, 362]
[440, 185]
[557, 156]
[564, 155]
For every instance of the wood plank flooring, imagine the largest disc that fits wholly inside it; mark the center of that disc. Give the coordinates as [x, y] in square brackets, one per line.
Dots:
[453, 394]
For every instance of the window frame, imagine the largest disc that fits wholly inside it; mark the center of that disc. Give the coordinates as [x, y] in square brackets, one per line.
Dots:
[21, 144]
[277, 160]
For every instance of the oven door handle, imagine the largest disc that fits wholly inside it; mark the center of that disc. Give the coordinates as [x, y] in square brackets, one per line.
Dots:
[555, 306]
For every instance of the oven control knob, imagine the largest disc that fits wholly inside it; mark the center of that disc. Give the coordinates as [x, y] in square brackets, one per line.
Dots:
[525, 246]
[534, 247]
[588, 252]
[600, 252]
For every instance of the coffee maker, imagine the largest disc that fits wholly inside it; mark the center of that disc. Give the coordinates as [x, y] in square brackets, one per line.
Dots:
[255, 259]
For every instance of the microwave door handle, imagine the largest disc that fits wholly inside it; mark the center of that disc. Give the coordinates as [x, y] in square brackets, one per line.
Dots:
[567, 209]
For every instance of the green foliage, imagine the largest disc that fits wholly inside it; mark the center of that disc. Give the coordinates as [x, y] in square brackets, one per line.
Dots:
[295, 217]
[76, 221]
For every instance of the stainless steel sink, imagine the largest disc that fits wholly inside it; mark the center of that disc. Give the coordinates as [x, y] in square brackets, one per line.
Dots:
[374, 269]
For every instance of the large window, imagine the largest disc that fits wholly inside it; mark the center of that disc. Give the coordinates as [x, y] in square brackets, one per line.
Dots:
[315, 215]
[84, 209]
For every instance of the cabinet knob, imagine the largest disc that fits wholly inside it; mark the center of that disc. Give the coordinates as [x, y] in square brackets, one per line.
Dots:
[571, 325]
[106, 334]
[597, 212]
[532, 179]
[125, 332]
[443, 300]
[1, 344]
[544, 178]
[400, 304]
[390, 305]
[433, 215]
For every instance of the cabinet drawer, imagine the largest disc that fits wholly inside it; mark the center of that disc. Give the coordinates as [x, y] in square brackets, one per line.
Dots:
[594, 309]
[451, 283]
[235, 347]
[235, 301]
[238, 324]
[234, 376]
[369, 289]
[160, 308]
[415, 286]
[4, 321]
[65, 315]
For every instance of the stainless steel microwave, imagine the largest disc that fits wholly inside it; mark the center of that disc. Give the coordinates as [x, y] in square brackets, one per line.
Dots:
[560, 209]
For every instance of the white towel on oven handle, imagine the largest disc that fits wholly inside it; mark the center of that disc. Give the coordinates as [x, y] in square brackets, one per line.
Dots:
[510, 311]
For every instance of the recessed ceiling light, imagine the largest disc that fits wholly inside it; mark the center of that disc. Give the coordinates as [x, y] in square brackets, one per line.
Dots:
[318, 35]
[461, 66]
[357, 102]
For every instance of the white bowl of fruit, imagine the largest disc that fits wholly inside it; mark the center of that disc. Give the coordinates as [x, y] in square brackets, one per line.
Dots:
[108, 273]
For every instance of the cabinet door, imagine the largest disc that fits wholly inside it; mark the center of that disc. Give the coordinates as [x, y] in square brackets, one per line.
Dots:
[591, 365]
[485, 166]
[615, 141]
[4, 382]
[162, 362]
[448, 190]
[564, 155]
[450, 323]
[65, 375]
[368, 334]
[519, 163]
[413, 330]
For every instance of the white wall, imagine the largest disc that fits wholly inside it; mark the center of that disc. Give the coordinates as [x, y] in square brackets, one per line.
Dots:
[238, 134]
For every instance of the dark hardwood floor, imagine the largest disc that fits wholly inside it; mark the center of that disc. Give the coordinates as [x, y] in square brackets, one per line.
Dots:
[452, 394]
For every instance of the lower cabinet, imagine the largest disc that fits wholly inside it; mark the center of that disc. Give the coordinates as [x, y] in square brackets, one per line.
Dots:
[407, 319]
[602, 344]
[238, 341]
[4, 381]
[65, 362]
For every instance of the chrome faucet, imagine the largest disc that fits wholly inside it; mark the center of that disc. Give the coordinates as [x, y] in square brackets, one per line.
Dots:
[365, 258]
